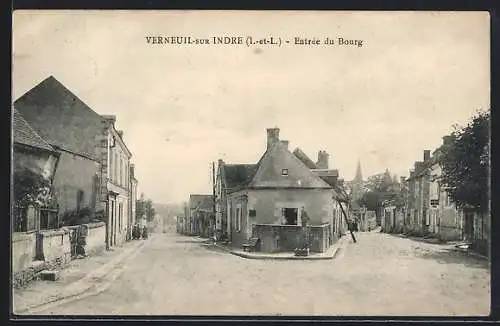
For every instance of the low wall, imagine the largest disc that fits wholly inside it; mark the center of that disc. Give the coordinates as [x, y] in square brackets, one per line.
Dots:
[96, 238]
[23, 250]
[450, 226]
[55, 247]
[277, 238]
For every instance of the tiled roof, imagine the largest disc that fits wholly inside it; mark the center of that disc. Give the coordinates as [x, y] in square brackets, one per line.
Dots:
[304, 158]
[270, 169]
[24, 134]
[203, 202]
[238, 175]
[61, 118]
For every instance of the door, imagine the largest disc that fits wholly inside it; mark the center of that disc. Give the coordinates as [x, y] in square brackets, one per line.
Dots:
[469, 226]
[115, 224]
[112, 221]
[228, 220]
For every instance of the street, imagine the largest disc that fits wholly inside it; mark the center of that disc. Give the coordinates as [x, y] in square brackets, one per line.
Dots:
[379, 275]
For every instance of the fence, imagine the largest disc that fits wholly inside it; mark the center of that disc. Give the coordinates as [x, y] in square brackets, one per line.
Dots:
[276, 238]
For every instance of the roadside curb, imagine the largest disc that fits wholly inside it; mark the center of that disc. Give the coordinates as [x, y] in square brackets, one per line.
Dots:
[340, 244]
[92, 289]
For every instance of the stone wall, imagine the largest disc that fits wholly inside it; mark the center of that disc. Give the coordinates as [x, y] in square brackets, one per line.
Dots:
[23, 250]
[76, 179]
[450, 224]
[96, 238]
[55, 247]
[279, 238]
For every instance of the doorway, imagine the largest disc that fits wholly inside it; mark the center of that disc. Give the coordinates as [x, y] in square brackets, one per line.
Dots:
[291, 215]
[469, 226]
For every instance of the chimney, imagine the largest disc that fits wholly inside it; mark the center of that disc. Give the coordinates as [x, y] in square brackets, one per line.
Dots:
[285, 143]
[419, 167]
[273, 136]
[323, 157]
[120, 133]
[402, 180]
[132, 170]
[427, 155]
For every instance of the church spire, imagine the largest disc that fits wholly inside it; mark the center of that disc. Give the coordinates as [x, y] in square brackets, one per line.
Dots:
[359, 176]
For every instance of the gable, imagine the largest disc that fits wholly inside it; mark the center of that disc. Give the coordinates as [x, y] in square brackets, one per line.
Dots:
[277, 158]
[61, 118]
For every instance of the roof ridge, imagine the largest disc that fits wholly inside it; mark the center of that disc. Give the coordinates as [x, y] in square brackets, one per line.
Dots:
[54, 80]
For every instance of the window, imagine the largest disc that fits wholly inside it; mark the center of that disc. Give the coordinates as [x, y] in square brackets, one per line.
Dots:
[252, 213]
[111, 167]
[120, 215]
[48, 219]
[238, 219]
[284, 172]
[127, 175]
[120, 180]
[290, 216]
[115, 169]
[79, 199]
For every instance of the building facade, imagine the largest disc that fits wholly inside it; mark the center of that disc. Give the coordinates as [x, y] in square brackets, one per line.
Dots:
[201, 208]
[429, 208]
[133, 200]
[68, 124]
[270, 200]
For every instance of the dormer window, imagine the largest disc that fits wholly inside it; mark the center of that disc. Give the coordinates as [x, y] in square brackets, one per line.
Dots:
[284, 172]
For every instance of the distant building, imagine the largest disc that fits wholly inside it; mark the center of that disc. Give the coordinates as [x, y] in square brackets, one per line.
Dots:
[357, 184]
[201, 209]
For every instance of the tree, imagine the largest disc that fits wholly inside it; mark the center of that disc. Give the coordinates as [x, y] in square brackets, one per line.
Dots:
[145, 208]
[29, 188]
[465, 163]
[379, 187]
[149, 210]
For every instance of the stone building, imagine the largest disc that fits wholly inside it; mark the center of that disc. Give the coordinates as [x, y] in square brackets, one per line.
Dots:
[269, 200]
[133, 200]
[429, 209]
[418, 201]
[201, 208]
[96, 177]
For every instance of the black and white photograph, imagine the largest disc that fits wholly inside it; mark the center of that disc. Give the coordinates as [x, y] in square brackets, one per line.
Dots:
[250, 163]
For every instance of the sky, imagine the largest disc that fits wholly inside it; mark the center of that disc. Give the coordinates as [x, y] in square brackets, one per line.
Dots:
[182, 107]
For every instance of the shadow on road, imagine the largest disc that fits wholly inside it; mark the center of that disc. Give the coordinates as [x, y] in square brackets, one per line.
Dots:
[422, 240]
[453, 256]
